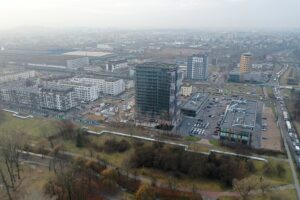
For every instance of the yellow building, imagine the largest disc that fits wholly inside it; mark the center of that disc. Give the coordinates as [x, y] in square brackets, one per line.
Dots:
[245, 62]
[186, 90]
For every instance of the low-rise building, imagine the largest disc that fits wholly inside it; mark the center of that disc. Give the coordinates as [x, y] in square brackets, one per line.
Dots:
[193, 106]
[242, 123]
[186, 90]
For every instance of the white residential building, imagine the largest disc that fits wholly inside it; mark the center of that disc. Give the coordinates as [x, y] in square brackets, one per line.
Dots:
[114, 86]
[99, 83]
[110, 86]
[84, 92]
[58, 98]
[118, 64]
[17, 76]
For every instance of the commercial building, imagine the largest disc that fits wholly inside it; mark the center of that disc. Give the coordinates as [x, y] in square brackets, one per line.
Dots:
[193, 106]
[61, 98]
[197, 67]
[186, 90]
[242, 123]
[245, 62]
[117, 64]
[78, 63]
[157, 94]
[17, 76]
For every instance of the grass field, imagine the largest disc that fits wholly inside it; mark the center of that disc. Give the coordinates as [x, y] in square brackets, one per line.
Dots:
[35, 128]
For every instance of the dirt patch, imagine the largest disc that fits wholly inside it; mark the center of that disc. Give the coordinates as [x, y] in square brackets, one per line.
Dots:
[271, 138]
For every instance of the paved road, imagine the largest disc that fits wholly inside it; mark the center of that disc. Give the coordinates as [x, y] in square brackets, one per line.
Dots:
[284, 135]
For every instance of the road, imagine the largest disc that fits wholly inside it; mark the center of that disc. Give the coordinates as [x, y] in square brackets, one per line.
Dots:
[285, 134]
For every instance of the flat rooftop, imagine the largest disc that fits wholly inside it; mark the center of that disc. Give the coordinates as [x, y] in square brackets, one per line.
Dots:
[243, 115]
[156, 65]
[195, 102]
[87, 53]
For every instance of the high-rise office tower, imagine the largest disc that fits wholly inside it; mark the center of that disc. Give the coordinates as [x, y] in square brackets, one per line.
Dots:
[245, 62]
[197, 67]
[157, 94]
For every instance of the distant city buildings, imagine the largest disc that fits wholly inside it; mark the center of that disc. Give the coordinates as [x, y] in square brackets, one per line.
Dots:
[197, 67]
[157, 90]
[78, 63]
[245, 63]
[17, 76]
[118, 64]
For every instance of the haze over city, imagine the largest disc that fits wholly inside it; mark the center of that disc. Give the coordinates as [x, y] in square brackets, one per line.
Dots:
[162, 14]
[149, 100]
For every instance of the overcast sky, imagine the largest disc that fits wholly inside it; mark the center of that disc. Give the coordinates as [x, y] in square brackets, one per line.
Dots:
[192, 14]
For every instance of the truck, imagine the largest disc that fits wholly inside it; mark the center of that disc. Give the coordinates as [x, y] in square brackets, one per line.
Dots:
[288, 125]
[285, 115]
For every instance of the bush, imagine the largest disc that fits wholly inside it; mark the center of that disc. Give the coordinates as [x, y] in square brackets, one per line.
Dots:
[177, 162]
[112, 146]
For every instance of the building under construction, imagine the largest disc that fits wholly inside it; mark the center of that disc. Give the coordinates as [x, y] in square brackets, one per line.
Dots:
[242, 123]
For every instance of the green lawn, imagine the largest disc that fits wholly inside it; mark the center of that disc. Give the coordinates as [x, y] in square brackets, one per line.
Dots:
[35, 128]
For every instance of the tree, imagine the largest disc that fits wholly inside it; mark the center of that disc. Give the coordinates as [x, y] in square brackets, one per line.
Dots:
[264, 185]
[280, 170]
[245, 186]
[10, 171]
[145, 192]
[109, 180]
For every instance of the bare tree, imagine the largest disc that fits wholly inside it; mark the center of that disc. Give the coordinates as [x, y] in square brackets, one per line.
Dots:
[245, 186]
[10, 171]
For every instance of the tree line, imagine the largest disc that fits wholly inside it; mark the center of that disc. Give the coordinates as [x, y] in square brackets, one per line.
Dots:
[179, 162]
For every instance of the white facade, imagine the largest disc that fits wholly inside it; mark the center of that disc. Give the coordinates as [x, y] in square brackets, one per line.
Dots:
[109, 86]
[114, 87]
[17, 76]
[84, 92]
[99, 83]
[58, 98]
[186, 90]
[113, 65]
[78, 63]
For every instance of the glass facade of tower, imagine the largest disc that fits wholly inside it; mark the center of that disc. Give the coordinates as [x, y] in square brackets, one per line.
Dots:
[157, 91]
[197, 67]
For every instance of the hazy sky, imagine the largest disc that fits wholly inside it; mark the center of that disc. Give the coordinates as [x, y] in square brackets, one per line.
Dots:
[197, 14]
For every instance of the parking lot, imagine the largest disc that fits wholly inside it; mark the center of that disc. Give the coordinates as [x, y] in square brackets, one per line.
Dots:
[206, 123]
